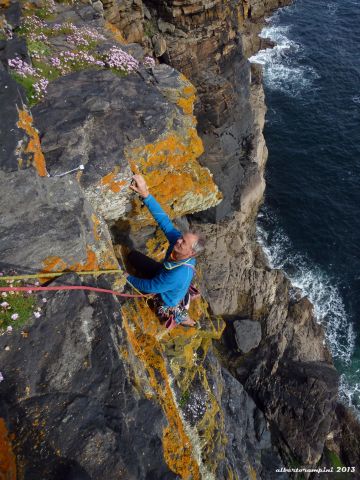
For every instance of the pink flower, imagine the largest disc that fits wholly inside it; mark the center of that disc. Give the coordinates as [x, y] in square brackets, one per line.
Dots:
[1, 377]
[4, 304]
[44, 300]
[9, 328]
[14, 316]
[37, 314]
[149, 62]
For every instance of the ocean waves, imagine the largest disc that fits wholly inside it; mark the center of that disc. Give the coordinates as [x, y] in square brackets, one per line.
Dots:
[325, 294]
[282, 69]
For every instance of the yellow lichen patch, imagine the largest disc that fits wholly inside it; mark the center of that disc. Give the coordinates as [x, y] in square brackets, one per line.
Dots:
[7, 457]
[252, 473]
[33, 147]
[4, 3]
[141, 326]
[111, 181]
[93, 262]
[115, 32]
[156, 246]
[188, 96]
[96, 226]
[173, 175]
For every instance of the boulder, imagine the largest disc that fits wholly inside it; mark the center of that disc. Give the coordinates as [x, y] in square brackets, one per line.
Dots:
[165, 27]
[247, 334]
[47, 225]
[159, 44]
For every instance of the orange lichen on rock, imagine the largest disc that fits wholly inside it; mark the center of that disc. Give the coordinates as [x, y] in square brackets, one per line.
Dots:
[93, 262]
[110, 181]
[141, 326]
[188, 97]
[33, 147]
[115, 32]
[96, 229]
[173, 174]
[7, 457]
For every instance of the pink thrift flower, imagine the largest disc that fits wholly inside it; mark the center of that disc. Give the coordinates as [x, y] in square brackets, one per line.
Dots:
[9, 328]
[37, 314]
[14, 316]
[4, 304]
[1, 377]
[44, 300]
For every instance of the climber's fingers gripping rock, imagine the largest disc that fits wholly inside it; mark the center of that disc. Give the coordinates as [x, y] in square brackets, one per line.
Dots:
[138, 184]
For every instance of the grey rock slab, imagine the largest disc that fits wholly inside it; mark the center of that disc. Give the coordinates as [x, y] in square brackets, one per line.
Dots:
[247, 334]
[11, 98]
[44, 218]
[90, 118]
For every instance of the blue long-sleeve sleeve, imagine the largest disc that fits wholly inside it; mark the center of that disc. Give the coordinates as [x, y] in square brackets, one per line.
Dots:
[164, 222]
[172, 285]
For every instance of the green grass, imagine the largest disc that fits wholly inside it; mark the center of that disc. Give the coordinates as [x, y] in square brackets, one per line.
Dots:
[334, 459]
[21, 303]
[184, 399]
[28, 84]
[150, 28]
[46, 70]
[38, 47]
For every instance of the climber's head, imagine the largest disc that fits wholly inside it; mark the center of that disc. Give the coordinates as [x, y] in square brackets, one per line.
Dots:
[190, 244]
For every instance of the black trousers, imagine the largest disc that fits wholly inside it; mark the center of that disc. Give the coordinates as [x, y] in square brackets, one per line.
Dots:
[145, 267]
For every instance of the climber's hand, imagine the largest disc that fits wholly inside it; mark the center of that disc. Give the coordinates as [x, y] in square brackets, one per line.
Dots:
[139, 185]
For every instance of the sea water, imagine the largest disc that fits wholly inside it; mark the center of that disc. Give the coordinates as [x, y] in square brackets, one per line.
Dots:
[309, 225]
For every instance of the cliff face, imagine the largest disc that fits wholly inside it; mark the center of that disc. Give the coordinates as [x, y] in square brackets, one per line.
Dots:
[95, 387]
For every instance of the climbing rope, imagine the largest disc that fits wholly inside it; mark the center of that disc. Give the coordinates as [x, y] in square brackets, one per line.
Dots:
[68, 287]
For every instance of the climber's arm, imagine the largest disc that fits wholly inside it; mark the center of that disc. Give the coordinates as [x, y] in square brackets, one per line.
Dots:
[164, 222]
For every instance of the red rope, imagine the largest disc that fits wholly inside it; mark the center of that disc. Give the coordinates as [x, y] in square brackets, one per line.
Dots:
[63, 287]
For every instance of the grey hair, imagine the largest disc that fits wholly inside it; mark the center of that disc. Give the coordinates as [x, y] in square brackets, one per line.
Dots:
[199, 246]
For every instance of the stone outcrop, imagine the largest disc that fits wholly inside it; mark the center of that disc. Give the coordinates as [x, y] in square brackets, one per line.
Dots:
[47, 225]
[91, 124]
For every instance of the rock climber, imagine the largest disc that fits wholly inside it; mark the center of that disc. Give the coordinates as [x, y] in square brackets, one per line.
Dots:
[171, 279]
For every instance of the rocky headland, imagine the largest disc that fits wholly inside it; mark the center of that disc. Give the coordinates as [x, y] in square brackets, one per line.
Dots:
[93, 386]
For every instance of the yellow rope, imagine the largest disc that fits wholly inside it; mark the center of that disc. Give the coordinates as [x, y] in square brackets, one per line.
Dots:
[58, 274]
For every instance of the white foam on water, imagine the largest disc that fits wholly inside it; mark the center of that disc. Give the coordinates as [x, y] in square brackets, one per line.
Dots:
[332, 8]
[349, 390]
[281, 70]
[328, 304]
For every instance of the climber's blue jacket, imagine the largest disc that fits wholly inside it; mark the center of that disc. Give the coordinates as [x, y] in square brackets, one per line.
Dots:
[174, 278]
